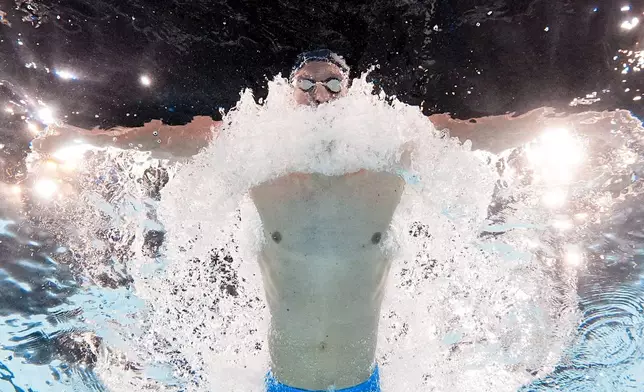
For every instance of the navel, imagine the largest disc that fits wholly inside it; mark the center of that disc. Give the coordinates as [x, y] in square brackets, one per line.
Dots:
[376, 237]
[276, 236]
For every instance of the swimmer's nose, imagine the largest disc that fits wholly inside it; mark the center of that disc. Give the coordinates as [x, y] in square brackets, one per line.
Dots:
[320, 94]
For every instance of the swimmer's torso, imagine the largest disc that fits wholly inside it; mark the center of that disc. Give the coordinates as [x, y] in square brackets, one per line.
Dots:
[324, 271]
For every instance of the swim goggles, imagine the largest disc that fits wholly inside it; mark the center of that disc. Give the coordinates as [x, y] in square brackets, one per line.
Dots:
[334, 85]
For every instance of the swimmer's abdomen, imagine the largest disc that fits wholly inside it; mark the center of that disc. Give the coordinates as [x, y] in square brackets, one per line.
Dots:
[324, 235]
[324, 269]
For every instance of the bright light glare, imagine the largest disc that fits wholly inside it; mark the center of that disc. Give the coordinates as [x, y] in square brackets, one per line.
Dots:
[72, 152]
[629, 157]
[562, 224]
[626, 8]
[556, 154]
[8, 110]
[46, 115]
[33, 127]
[16, 190]
[573, 256]
[64, 74]
[46, 188]
[71, 155]
[145, 80]
[555, 198]
[581, 216]
[629, 24]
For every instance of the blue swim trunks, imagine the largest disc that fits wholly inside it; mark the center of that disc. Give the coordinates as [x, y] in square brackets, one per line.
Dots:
[372, 384]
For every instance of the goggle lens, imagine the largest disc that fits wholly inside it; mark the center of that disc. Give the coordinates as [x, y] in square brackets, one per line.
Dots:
[333, 85]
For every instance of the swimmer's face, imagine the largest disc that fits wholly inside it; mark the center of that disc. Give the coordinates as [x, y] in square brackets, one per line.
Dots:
[318, 82]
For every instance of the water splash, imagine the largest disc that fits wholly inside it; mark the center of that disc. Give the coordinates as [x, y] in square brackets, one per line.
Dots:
[479, 243]
[473, 300]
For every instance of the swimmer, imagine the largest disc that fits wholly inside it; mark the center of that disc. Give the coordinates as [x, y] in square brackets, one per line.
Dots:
[323, 268]
[322, 264]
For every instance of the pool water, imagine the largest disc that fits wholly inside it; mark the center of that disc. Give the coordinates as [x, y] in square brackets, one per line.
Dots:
[519, 256]
[92, 301]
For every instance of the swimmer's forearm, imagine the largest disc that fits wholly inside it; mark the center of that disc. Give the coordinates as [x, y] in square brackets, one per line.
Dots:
[494, 133]
[155, 142]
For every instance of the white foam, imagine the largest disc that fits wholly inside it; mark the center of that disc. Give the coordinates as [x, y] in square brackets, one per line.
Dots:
[359, 131]
[502, 313]
[457, 315]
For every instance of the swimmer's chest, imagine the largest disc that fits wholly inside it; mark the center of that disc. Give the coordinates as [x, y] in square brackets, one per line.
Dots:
[301, 201]
[323, 237]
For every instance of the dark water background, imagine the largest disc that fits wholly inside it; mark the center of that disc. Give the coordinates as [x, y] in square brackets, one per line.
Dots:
[200, 54]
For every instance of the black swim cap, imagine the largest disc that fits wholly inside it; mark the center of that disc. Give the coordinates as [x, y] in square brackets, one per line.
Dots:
[320, 55]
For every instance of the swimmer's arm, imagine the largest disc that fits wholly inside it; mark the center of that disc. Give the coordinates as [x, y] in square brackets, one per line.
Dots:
[492, 133]
[164, 141]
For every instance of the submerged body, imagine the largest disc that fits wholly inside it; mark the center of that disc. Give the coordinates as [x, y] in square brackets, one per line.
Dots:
[324, 270]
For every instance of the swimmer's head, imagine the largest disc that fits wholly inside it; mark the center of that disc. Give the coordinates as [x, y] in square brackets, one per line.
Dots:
[319, 76]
